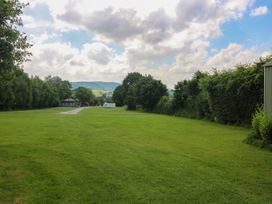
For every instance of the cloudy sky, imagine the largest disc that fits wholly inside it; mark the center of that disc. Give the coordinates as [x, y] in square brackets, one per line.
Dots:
[92, 40]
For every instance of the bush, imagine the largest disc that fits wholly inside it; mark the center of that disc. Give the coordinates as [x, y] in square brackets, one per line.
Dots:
[257, 120]
[261, 129]
[164, 105]
[266, 130]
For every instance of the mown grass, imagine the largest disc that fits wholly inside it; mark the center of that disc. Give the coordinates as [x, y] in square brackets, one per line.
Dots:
[116, 156]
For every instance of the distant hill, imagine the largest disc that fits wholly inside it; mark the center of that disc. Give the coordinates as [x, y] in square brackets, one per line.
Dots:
[96, 85]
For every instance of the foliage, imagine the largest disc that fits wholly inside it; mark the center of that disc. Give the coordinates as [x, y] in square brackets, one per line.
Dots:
[84, 95]
[124, 94]
[261, 129]
[234, 95]
[131, 79]
[63, 87]
[148, 92]
[257, 121]
[50, 95]
[130, 98]
[119, 95]
[13, 52]
[165, 105]
[22, 90]
[266, 130]
[229, 97]
[13, 43]
[190, 99]
[138, 90]
[38, 99]
[17, 90]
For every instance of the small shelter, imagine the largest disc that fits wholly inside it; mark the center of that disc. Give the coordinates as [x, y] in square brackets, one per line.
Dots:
[109, 105]
[268, 88]
[70, 102]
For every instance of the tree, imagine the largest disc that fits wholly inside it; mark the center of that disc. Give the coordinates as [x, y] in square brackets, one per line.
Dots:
[165, 105]
[180, 95]
[128, 85]
[131, 79]
[189, 99]
[148, 92]
[50, 97]
[131, 98]
[13, 43]
[119, 95]
[63, 87]
[37, 89]
[21, 86]
[84, 95]
[13, 52]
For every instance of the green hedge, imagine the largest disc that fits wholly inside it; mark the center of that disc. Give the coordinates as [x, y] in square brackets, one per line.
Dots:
[229, 97]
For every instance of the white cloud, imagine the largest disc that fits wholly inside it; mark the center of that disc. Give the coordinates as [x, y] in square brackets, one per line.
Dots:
[95, 61]
[121, 24]
[43, 37]
[98, 52]
[262, 10]
[82, 65]
[147, 31]
[231, 56]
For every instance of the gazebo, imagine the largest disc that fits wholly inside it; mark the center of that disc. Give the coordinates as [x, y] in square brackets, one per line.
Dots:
[70, 102]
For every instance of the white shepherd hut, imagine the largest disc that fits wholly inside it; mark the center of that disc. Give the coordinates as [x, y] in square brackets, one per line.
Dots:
[109, 105]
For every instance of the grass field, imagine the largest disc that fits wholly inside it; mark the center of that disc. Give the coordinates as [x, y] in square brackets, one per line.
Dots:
[116, 156]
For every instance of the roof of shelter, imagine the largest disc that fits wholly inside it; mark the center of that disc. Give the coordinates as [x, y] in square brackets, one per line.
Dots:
[70, 100]
[268, 64]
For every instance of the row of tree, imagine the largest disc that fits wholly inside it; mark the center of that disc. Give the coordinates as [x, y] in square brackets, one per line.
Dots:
[24, 92]
[21, 91]
[17, 89]
[229, 97]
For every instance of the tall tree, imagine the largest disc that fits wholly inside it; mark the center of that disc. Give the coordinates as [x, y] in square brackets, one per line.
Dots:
[148, 92]
[128, 85]
[63, 87]
[131, 79]
[84, 95]
[22, 89]
[13, 52]
[50, 96]
[37, 89]
[119, 95]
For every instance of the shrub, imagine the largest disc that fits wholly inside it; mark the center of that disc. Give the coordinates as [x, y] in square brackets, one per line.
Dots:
[165, 105]
[257, 121]
[261, 129]
[266, 130]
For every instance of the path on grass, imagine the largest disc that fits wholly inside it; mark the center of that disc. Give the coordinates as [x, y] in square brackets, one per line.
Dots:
[73, 112]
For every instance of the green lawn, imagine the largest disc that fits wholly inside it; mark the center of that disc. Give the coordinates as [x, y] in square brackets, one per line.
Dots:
[116, 156]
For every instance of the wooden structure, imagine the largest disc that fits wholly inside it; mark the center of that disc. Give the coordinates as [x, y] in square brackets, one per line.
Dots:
[70, 102]
[268, 89]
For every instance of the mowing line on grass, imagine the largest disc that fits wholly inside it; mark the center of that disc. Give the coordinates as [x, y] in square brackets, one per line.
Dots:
[73, 112]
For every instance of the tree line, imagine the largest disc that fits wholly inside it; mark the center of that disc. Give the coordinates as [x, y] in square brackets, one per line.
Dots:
[17, 89]
[229, 97]
[23, 92]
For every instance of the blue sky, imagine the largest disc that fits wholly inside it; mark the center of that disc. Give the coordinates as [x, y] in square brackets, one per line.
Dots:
[90, 40]
[248, 30]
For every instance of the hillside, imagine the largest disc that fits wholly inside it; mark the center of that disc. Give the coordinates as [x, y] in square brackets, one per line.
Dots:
[96, 85]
